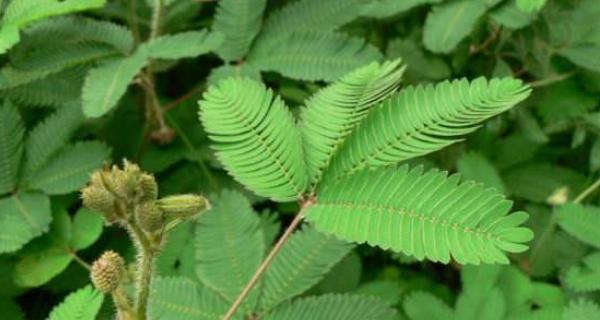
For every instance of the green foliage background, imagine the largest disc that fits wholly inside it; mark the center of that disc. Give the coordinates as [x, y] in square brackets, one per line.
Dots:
[85, 82]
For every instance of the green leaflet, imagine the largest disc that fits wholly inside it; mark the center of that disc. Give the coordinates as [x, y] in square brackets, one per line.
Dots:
[333, 307]
[303, 261]
[581, 309]
[106, 84]
[388, 8]
[183, 299]
[424, 214]
[314, 55]
[83, 304]
[421, 305]
[70, 169]
[182, 45]
[304, 15]
[448, 23]
[530, 5]
[582, 222]
[333, 112]
[585, 277]
[11, 146]
[255, 137]
[48, 137]
[20, 13]
[24, 217]
[229, 245]
[239, 21]
[423, 119]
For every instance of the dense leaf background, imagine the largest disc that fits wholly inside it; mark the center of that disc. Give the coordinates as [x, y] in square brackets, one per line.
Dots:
[83, 83]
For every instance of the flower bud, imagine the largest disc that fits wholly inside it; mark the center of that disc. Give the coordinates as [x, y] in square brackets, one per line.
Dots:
[108, 271]
[148, 187]
[559, 196]
[98, 199]
[183, 206]
[149, 216]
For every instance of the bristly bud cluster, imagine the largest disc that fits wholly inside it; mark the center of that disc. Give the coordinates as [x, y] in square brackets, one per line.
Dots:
[108, 271]
[129, 195]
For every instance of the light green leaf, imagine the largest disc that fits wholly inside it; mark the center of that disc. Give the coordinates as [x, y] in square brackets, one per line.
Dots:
[421, 305]
[229, 245]
[424, 214]
[449, 23]
[423, 119]
[48, 137]
[386, 8]
[11, 146]
[46, 257]
[239, 21]
[20, 13]
[530, 5]
[302, 262]
[345, 102]
[333, 307]
[24, 217]
[83, 304]
[509, 15]
[585, 277]
[244, 70]
[70, 169]
[87, 228]
[314, 55]
[106, 84]
[582, 222]
[581, 309]
[182, 45]
[183, 299]
[255, 137]
[475, 166]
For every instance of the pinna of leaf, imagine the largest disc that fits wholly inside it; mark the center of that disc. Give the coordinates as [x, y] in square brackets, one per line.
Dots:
[339, 160]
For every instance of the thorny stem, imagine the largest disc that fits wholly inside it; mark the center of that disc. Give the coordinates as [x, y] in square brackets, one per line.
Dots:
[265, 264]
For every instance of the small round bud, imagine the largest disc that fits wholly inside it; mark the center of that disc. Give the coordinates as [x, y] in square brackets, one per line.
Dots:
[148, 187]
[108, 271]
[149, 216]
[559, 196]
[98, 199]
[183, 206]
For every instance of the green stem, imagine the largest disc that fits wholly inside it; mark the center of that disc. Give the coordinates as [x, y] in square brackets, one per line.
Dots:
[589, 190]
[145, 266]
[551, 79]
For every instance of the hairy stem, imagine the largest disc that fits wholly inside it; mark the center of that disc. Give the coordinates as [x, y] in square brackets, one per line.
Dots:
[265, 264]
[145, 266]
[121, 301]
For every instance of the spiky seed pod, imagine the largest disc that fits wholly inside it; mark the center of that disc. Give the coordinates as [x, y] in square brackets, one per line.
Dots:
[148, 187]
[99, 199]
[183, 206]
[108, 271]
[149, 216]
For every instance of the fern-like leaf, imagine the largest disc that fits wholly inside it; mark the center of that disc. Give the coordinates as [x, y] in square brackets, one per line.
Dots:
[70, 169]
[106, 84]
[183, 299]
[82, 304]
[427, 215]
[48, 137]
[334, 307]
[581, 309]
[587, 277]
[11, 146]
[229, 245]
[55, 90]
[240, 22]
[255, 137]
[332, 113]
[423, 119]
[24, 217]
[306, 15]
[582, 222]
[182, 45]
[314, 55]
[303, 261]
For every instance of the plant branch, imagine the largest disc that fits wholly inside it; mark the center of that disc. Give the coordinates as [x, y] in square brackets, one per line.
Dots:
[551, 79]
[145, 266]
[265, 264]
[589, 190]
